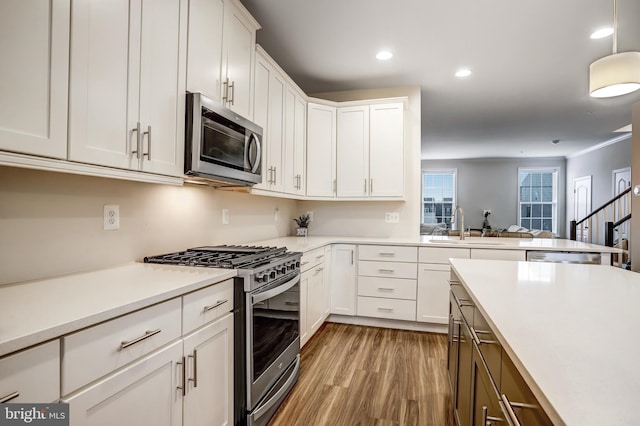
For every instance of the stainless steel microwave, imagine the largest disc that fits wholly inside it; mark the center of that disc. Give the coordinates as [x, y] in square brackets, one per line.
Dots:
[220, 145]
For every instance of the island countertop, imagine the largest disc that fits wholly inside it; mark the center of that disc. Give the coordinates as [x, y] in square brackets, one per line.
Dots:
[571, 330]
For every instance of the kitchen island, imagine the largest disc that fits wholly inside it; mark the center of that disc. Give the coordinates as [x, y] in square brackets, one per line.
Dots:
[569, 330]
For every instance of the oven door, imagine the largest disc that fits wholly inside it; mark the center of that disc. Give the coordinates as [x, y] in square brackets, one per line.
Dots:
[273, 334]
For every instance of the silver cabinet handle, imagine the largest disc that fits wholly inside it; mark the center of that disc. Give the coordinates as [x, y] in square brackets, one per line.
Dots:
[480, 341]
[320, 256]
[183, 364]
[386, 309]
[126, 343]
[9, 397]
[232, 86]
[454, 282]
[335, 185]
[303, 263]
[351, 256]
[388, 271]
[385, 289]
[275, 175]
[487, 419]
[215, 305]
[319, 269]
[195, 368]
[225, 97]
[290, 303]
[365, 186]
[509, 408]
[148, 153]
[138, 149]
[371, 186]
[387, 254]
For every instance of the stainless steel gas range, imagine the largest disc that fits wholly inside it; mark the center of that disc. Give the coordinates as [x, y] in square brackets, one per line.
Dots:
[267, 322]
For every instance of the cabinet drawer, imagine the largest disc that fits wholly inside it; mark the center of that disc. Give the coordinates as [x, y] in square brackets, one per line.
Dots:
[388, 253]
[442, 254]
[391, 288]
[489, 347]
[498, 254]
[378, 307]
[388, 269]
[32, 375]
[96, 351]
[311, 259]
[203, 306]
[515, 392]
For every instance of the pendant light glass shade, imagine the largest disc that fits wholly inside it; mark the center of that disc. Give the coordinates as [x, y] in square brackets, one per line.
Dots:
[615, 75]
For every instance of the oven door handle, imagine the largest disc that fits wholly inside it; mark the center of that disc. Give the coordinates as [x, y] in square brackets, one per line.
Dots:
[274, 291]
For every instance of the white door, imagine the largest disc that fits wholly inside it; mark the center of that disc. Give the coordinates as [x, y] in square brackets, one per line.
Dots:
[34, 48]
[622, 181]
[209, 357]
[582, 204]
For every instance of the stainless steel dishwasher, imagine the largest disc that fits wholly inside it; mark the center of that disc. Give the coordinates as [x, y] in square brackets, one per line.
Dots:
[564, 257]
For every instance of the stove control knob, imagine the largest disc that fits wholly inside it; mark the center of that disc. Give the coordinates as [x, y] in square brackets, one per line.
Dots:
[283, 269]
[261, 277]
[272, 274]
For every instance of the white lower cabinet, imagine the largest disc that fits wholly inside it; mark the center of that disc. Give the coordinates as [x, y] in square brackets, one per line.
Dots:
[433, 293]
[209, 374]
[32, 375]
[144, 393]
[343, 279]
[312, 293]
[378, 307]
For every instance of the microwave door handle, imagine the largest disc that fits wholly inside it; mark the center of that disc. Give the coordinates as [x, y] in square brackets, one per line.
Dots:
[272, 292]
[254, 139]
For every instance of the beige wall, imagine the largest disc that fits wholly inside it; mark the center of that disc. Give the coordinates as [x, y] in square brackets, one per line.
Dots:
[51, 223]
[635, 180]
[367, 218]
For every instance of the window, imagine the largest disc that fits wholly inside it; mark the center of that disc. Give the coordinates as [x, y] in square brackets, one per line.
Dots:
[538, 198]
[438, 196]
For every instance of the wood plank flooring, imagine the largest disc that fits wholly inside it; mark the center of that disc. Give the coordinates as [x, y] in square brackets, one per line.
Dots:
[355, 375]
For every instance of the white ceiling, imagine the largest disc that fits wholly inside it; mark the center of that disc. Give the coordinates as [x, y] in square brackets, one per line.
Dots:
[530, 62]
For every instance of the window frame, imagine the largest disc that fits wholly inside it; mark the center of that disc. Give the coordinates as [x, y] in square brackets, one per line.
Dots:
[554, 194]
[438, 171]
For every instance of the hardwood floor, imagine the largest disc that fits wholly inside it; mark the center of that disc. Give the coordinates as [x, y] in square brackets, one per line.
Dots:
[354, 375]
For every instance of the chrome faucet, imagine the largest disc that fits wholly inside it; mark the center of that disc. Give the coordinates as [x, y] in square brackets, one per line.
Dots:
[453, 220]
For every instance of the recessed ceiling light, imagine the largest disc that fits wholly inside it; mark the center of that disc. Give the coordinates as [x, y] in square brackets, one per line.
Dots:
[465, 72]
[602, 33]
[384, 55]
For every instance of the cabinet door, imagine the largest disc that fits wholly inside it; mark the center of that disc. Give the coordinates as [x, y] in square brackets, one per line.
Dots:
[294, 140]
[343, 280]
[321, 150]
[162, 85]
[239, 44]
[144, 393]
[485, 405]
[204, 56]
[433, 293]
[209, 358]
[462, 401]
[328, 267]
[35, 76]
[352, 151]
[315, 299]
[275, 135]
[261, 113]
[105, 57]
[304, 291]
[386, 150]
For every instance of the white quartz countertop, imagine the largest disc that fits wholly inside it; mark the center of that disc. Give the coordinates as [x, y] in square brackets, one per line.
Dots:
[37, 311]
[572, 331]
[543, 244]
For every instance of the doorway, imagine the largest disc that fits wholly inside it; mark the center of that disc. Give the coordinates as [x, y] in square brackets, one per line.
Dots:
[582, 204]
[622, 181]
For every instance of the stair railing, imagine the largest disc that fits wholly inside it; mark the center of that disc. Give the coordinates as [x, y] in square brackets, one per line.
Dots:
[592, 228]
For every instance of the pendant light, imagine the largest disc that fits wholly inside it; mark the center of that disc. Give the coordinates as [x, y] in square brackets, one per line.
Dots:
[616, 74]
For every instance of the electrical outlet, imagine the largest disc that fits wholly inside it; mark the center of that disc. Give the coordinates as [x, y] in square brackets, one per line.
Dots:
[310, 214]
[111, 217]
[225, 216]
[392, 217]
[276, 214]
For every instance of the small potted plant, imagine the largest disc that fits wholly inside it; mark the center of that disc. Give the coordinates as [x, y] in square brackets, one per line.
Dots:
[303, 224]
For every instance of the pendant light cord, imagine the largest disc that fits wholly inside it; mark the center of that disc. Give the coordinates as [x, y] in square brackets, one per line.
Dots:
[615, 27]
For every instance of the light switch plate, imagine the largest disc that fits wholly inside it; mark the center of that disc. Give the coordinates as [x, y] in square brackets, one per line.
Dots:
[225, 216]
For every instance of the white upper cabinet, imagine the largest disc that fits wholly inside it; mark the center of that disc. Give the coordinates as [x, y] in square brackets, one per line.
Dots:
[321, 150]
[222, 37]
[295, 126]
[352, 167]
[386, 150]
[35, 75]
[204, 54]
[127, 96]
